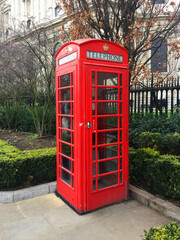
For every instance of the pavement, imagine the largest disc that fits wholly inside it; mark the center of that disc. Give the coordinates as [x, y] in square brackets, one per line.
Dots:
[47, 217]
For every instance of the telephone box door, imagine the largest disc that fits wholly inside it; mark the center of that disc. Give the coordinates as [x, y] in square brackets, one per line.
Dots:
[106, 135]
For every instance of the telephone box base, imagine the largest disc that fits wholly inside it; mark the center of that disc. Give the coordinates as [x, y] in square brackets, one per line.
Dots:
[70, 205]
[85, 212]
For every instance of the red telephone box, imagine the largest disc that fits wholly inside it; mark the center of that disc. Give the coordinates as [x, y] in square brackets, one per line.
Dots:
[92, 105]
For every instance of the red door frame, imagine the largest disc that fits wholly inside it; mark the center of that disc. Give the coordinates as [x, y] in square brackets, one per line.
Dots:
[69, 192]
[118, 192]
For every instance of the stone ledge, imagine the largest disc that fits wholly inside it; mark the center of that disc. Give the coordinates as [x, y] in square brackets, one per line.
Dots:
[160, 205]
[31, 192]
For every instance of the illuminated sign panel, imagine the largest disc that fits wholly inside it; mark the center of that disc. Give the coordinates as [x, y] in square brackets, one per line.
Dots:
[67, 58]
[104, 56]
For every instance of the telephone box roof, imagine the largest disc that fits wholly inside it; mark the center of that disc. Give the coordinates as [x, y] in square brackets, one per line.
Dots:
[81, 42]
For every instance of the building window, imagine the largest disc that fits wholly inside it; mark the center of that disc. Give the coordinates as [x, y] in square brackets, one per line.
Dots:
[57, 11]
[159, 55]
[6, 17]
[28, 24]
[7, 33]
[158, 1]
[28, 6]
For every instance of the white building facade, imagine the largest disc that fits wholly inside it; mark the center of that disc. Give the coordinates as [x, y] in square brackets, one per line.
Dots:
[14, 13]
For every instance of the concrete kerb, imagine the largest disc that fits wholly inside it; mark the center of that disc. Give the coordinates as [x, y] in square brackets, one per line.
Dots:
[160, 205]
[31, 192]
[149, 200]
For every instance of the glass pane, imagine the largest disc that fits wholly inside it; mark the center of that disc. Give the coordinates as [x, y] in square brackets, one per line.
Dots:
[66, 163]
[94, 169]
[108, 166]
[65, 80]
[66, 177]
[66, 122]
[94, 139]
[66, 149]
[107, 137]
[121, 177]
[120, 163]
[72, 136]
[107, 93]
[94, 184]
[107, 123]
[66, 136]
[93, 78]
[72, 123]
[71, 78]
[94, 154]
[120, 94]
[72, 112]
[71, 93]
[107, 181]
[72, 182]
[93, 93]
[120, 136]
[120, 80]
[72, 155]
[108, 79]
[120, 122]
[120, 149]
[107, 152]
[105, 108]
[65, 94]
[120, 108]
[93, 108]
[66, 108]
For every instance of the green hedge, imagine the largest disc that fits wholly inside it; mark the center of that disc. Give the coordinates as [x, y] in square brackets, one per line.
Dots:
[165, 143]
[170, 231]
[159, 174]
[151, 123]
[22, 169]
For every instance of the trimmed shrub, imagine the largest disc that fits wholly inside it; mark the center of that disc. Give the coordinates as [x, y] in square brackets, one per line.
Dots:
[159, 174]
[170, 231]
[152, 123]
[165, 143]
[22, 169]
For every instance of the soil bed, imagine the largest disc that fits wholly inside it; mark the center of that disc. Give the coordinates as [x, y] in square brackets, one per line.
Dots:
[27, 141]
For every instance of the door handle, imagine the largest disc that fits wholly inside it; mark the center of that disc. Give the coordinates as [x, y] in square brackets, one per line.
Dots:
[88, 125]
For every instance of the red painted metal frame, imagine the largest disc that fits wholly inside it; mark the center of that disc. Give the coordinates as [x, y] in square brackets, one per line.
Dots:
[81, 195]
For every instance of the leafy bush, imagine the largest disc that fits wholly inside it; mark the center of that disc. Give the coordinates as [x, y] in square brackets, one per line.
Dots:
[165, 143]
[9, 113]
[16, 116]
[27, 167]
[170, 231]
[159, 174]
[151, 123]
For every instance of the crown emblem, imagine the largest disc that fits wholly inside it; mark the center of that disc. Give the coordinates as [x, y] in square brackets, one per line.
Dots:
[66, 50]
[105, 47]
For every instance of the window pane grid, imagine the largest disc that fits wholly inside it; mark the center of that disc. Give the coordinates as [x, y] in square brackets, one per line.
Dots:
[67, 143]
[113, 176]
[66, 129]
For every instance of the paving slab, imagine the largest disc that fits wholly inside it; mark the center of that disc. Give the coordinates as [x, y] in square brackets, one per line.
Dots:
[39, 205]
[48, 218]
[9, 213]
[35, 228]
[64, 218]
